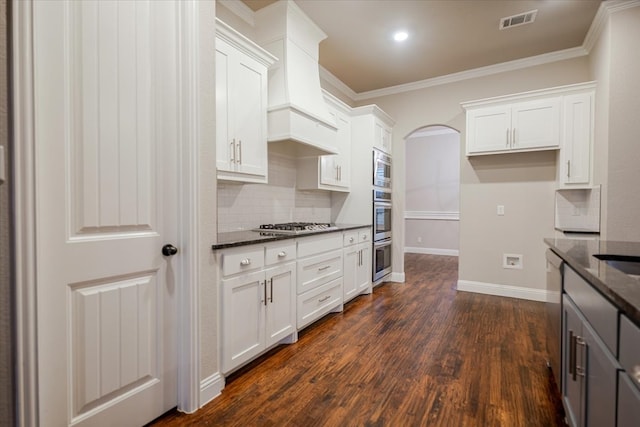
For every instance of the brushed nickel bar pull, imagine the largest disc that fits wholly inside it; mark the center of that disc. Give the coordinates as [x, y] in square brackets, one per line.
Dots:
[233, 150]
[271, 292]
[580, 370]
[507, 137]
[324, 268]
[513, 138]
[323, 299]
[572, 355]
[568, 168]
[265, 292]
[240, 151]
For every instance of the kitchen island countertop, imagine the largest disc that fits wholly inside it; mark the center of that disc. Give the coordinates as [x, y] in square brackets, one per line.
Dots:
[619, 288]
[249, 237]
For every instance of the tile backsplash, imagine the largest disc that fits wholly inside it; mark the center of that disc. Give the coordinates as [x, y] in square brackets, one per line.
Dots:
[578, 209]
[245, 206]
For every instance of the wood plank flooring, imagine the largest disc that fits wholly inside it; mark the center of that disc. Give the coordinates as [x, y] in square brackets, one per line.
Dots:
[412, 354]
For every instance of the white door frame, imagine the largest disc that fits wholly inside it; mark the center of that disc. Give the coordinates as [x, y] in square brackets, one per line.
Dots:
[190, 14]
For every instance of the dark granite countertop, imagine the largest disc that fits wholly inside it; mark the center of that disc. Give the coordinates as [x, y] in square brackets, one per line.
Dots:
[248, 237]
[619, 288]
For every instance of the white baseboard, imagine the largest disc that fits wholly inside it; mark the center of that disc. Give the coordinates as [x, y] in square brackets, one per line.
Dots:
[397, 277]
[503, 290]
[210, 388]
[431, 251]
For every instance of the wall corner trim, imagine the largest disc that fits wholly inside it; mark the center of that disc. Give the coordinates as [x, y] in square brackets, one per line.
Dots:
[210, 388]
[519, 292]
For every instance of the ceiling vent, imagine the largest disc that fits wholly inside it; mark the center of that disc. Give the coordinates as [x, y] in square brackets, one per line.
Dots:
[517, 20]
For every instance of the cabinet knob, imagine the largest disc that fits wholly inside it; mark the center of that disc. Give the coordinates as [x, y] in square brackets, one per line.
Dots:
[351, 239]
[636, 373]
[364, 237]
[245, 261]
[282, 254]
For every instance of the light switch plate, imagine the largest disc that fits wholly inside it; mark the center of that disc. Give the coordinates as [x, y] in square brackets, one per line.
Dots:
[500, 210]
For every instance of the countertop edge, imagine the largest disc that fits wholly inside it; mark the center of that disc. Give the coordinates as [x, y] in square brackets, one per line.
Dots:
[621, 303]
[276, 237]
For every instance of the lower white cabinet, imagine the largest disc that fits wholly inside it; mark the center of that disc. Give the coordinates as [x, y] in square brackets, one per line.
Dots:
[357, 263]
[320, 277]
[258, 309]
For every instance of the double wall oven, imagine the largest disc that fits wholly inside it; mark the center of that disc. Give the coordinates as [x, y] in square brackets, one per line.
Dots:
[381, 214]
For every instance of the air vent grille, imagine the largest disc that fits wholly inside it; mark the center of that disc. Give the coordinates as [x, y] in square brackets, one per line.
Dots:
[517, 20]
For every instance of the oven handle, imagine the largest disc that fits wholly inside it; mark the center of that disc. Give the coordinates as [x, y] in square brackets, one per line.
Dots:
[382, 204]
[381, 243]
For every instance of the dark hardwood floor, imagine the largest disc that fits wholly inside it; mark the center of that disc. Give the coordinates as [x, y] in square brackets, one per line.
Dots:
[412, 354]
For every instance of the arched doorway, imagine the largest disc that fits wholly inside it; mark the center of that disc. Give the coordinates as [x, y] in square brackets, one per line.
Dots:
[432, 191]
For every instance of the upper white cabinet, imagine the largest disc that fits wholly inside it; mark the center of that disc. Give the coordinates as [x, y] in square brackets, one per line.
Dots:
[241, 106]
[576, 153]
[330, 172]
[518, 126]
[382, 135]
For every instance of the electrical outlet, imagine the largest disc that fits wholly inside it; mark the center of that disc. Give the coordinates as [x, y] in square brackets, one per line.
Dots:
[419, 239]
[512, 261]
[500, 210]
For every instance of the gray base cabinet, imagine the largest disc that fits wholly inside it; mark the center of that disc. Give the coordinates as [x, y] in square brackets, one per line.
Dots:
[590, 371]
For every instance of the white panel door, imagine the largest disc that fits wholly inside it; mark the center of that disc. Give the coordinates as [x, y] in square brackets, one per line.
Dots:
[488, 129]
[536, 124]
[106, 148]
[351, 263]
[244, 299]
[281, 306]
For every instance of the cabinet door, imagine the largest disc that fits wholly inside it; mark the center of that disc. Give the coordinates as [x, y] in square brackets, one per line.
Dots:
[571, 383]
[350, 275]
[224, 137]
[488, 129]
[601, 381]
[243, 313]
[364, 269]
[281, 302]
[575, 164]
[343, 145]
[535, 124]
[628, 402]
[250, 119]
[329, 170]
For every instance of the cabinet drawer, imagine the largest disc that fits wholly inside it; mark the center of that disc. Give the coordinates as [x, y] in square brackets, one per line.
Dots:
[280, 253]
[316, 303]
[314, 245]
[350, 238]
[630, 348]
[318, 270]
[242, 260]
[364, 236]
[600, 313]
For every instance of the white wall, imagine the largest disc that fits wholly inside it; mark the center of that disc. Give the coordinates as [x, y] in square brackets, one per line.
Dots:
[432, 171]
[623, 169]
[523, 183]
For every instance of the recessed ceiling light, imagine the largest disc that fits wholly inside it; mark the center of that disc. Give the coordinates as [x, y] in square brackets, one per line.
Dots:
[400, 36]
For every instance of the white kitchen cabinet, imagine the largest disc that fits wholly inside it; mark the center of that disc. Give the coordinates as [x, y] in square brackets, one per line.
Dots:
[382, 136]
[241, 106]
[258, 303]
[522, 126]
[330, 172]
[357, 263]
[319, 277]
[576, 152]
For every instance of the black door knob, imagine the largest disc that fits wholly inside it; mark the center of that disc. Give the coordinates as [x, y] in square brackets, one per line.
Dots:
[169, 250]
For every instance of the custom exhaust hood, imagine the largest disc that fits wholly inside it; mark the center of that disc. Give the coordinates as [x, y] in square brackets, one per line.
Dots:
[298, 119]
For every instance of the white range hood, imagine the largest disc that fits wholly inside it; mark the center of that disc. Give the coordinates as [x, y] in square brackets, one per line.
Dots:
[298, 120]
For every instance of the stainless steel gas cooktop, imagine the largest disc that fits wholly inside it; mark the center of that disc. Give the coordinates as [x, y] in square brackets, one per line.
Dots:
[295, 227]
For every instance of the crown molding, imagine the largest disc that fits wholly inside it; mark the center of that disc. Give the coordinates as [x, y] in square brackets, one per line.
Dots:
[475, 73]
[606, 9]
[337, 83]
[240, 9]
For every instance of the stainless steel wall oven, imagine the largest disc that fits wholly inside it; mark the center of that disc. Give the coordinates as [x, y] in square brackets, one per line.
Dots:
[381, 259]
[381, 214]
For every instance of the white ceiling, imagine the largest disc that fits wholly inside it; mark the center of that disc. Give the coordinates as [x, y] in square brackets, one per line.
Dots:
[445, 36]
